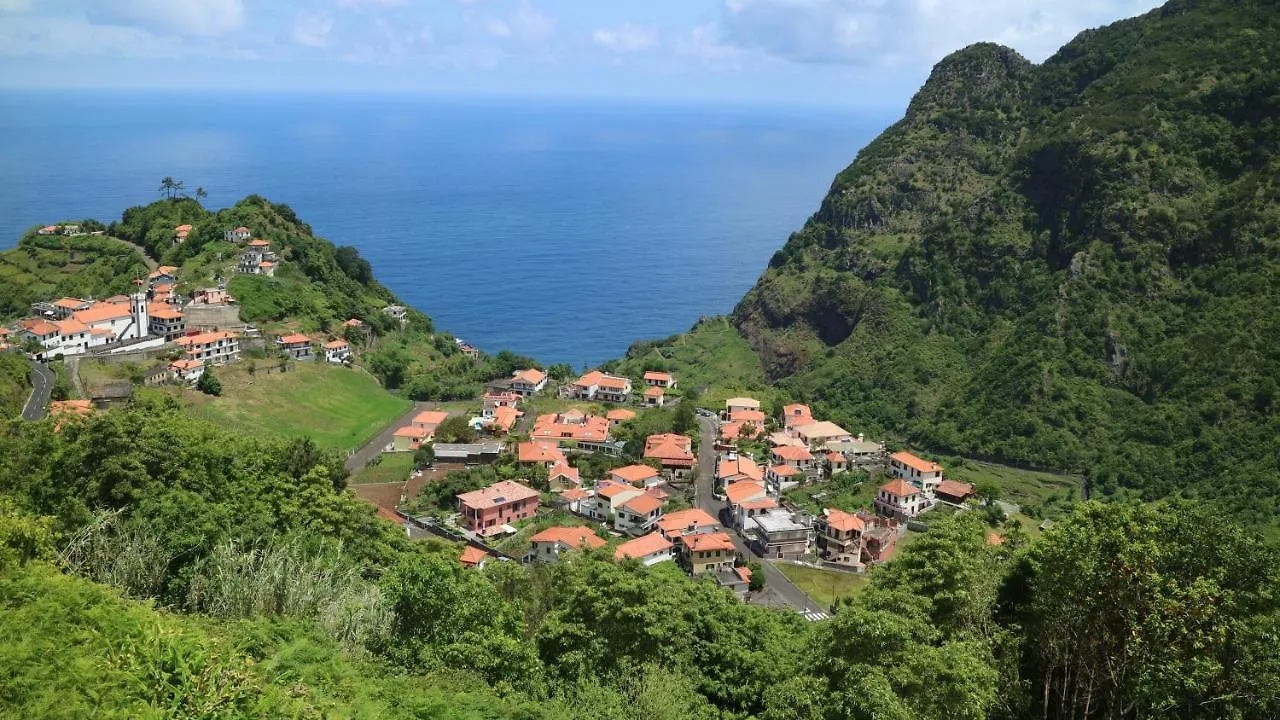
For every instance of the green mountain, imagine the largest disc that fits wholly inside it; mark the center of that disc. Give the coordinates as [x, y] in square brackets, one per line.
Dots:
[1074, 264]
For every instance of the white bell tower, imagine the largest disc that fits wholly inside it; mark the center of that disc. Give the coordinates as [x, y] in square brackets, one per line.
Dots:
[141, 321]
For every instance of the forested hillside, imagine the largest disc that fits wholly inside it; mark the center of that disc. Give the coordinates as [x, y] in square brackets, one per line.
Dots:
[281, 595]
[1073, 265]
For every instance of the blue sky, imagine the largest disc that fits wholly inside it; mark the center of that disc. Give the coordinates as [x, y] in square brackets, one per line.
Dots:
[849, 52]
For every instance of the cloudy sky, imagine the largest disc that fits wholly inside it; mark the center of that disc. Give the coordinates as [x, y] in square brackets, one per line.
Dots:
[862, 52]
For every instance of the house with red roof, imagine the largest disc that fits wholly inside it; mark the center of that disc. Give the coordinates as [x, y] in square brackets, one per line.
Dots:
[654, 397]
[922, 473]
[528, 382]
[296, 346]
[839, 537]
[673, 452]
[707, 552]
[180, 234]
[617, 416]
[641, 476]
[601, 387]
[408, 438]
[473, 557]
[236, 235]
[748, 509]
[540, 452]
[900, 500]
[649, 549]
[663, 380]
[486, 511]
[563, 476]
[219, 347]
[186, 371]
[784, 477]
[571, 427]
[796, 414]
[503, 420]
[491, 401]
[638, 515]
[796, 456]
[836, 462]
[735, 467]
[953, 491]
[574, 499]
[686, 522]
[337, 351]
[166, 321]
[550, 544]
[607, 498]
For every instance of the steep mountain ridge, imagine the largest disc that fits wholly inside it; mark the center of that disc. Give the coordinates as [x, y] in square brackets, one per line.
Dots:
[1072, 264]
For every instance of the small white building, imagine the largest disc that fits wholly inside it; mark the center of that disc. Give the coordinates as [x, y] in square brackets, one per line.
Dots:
[337, 351]
[649, 549]
[236, 235]
[296, 346]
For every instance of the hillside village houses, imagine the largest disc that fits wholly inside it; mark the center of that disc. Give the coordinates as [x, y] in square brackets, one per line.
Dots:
[257, 259]
[649, 549]
[673, 452]
[528, 382]
[654, 397]
[236, 235]
[337, 351]
[296, 346]
[548, 545]
[662, 380]
[216, 348]
[419, 430]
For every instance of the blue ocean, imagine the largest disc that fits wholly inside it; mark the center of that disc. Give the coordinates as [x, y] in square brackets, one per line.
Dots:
[560, 229]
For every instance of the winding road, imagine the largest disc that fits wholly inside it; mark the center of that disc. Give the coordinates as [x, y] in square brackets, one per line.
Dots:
[42, 380]
[778, 590]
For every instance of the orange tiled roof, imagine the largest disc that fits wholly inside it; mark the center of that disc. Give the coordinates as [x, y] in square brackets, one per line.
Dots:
[185, 365]
[741, 465]
[410, 431]
[784, 470]
[641, 547]
[258, 242]
[916, 463]
[563, 469]
[900, 488]
[540, 452]
[707, 542]
[430, 418]
[763, 503]
[743, 491]
[620, 415]
[70, 326]
[101, 312]
[335, 345]
[505, 417]
[610, 489]
[574, 537]
[295, 339]
[205, 338]
[954, 488]
[68, 303]
[472, 556]
[680, 521]
[499, 493]
[533, 376]
[164, 312]
[745, 416]
[634, 473]
[551, 427]
[793, 452]
[654, 391]
[643, 504]
[575, 494]
[658, 376]
[844, 521]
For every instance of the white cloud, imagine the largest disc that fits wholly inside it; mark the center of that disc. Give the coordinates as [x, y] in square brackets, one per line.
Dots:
[312, 29]
[866, 32]
[200, 18]
[626, 39]
[15, 6]
[529, 23]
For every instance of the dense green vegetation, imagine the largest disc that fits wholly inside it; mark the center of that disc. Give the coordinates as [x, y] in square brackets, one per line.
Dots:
[1071, 265]
[47, 267]
[15, 383]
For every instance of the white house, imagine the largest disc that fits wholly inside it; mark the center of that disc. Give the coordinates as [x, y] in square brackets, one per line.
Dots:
[337, 351]
[638, 515]
[236, 235]
[296, 346]
[217, 347]
[596, 385]
[649, 549]
[527, 383]
[917, 471]
[186, 371]
[900, 500]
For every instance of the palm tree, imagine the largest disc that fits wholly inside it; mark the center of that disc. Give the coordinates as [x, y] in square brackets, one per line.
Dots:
[201, 194]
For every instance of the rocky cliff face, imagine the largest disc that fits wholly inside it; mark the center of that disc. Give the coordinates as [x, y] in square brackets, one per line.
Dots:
[1071, 264]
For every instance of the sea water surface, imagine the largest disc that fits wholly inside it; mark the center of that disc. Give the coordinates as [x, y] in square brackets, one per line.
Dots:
[560, 229]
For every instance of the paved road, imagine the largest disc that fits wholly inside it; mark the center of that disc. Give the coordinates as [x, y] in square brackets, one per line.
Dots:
[779, 591]
[42, 379]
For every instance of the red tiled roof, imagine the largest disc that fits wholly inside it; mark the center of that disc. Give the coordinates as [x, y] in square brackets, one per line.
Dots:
[679, 521]
[611, 489]
[634, 473]
[793, 452]
[205, 338]
[101, 312]
[642, 547]
[533, 376]
[575, 494]
[741, 492]
[410, 431]
[540, 452]
[955, 488]
[741, 465]
[574, 537]
[335, 345]
[499, 493]
[784, 470]
[900, 488]
[654, 391]
[295, 339]
[843, 521]
[709, 542]
[763, 503]
[620, 415]
[643, 504]
[472, 556]
[658, 376]
[916, 463]
[430, 418]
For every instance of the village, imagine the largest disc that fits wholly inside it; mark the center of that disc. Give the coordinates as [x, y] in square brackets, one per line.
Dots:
[738, 494]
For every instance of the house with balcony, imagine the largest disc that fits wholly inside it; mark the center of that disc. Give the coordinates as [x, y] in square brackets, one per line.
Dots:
[900, 500]
[296, 346]
[219, 348]
[638, 515]
[744, 511]
[337, 351]
[692, 521]
[548, 545]
[778, 533]
[839, 537]
[486, 511]
[609, 497]
[922, 473]
[494, 400]
[528, 382]
[166, 321]
[600, 387]
[649, 549]
[663, 380]
[707, 552]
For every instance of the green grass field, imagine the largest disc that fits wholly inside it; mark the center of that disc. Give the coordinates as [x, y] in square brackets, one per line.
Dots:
[1022, 487]
[823, 586]
[337, 407]
[392, 468]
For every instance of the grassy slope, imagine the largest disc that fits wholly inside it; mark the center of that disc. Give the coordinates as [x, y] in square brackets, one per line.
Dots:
[823, 586]
[46, 268]
[392, 468]
[338, 407]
